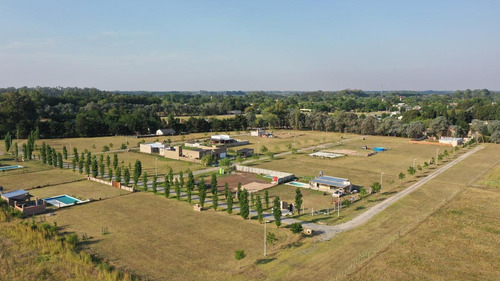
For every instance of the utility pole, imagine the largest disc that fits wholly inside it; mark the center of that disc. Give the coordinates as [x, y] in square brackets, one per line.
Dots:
[437, 152]
[381, 180]
[338, 209]
[156, 166]
[414, 163]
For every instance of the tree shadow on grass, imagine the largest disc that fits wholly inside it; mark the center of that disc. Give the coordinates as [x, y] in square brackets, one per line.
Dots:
[264, 261]
[389, 192]
[376, 200]
[360, 208]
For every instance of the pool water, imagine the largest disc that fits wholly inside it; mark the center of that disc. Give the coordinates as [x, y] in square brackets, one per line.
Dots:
[10, 168]
[62, 200]
[299, 184]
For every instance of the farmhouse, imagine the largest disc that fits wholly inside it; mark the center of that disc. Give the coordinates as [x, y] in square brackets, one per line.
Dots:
[331, 184]
[21, 200]
[179, 152]
[165, 132]
[452, 141]
[151, 147]
[225, 140]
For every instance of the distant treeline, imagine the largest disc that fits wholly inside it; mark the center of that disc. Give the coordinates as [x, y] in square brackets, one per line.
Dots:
[72, 112]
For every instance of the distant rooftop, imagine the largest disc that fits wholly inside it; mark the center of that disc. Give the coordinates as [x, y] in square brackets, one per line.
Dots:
[451, 139]
[155, 144]
[221, 137]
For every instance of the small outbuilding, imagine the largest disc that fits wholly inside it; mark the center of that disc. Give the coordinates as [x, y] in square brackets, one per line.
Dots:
[453, 141]
[21, 201]
[165, 132]
[245, 152]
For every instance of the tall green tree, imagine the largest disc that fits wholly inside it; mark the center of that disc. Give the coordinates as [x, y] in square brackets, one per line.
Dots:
[108, 161]
[110, 174]
[244, 204]
[102, 169]
[259, 208]
[229, 201]
[266, 198]
[298, 200]
[43, 153]
[181, 179]
[137, 171]
[126, 175]
[94, 167]
[16, 150]
[8, 141]
[166, 187]
[145, 181]
[115, 161]
[49, 155]
[215, 200]
[376, 187]
[277, 211]
[189, 193]
[177, 188]
[73, 164]
[118, 177]
[213, 183]
[155, 183]
[238, 191]
[65, 153]
[80, 166]
[190, 181]
[202, 192]
[226, 190]
[59, 160]
[171, 175]
[75, 154]
[54, 157]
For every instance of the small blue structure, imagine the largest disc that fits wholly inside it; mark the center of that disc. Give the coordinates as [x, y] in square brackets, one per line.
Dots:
[379, 149]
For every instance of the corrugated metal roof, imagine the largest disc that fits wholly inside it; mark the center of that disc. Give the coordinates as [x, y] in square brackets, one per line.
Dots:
[333, 181]
[14, 193]
[155, 145]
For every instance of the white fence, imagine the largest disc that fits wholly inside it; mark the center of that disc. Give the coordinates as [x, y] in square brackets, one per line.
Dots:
[282, 176]
[112, 183]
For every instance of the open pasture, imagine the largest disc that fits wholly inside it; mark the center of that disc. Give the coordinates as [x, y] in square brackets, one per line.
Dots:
[84, 189]
[360, 246]
[51, 176]
[161, 238]
[361, 171]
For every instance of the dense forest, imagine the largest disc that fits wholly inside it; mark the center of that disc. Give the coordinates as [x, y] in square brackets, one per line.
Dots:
[73, 112]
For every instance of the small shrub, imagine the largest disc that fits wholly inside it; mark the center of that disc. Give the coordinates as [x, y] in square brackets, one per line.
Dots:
[296, 227]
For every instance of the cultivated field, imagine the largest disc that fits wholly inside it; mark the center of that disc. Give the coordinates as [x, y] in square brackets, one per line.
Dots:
[162, 239]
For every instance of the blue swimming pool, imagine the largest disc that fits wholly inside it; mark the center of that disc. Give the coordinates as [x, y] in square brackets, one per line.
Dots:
[10, 167]
[62, 200]
[299, 184]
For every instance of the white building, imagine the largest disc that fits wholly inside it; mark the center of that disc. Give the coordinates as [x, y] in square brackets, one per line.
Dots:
[452, 141]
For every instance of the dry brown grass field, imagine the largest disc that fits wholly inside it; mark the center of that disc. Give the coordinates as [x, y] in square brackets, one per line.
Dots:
[164, 239]
[84, 189]
[459, 242]
[361, 171]
[491, 178]
[320, 261]
[149, 163]
[51, 176]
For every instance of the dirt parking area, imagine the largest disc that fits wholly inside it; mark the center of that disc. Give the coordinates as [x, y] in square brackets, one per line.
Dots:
[247, 179]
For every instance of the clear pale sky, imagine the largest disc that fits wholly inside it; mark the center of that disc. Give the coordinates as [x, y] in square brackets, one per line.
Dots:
[251, 45]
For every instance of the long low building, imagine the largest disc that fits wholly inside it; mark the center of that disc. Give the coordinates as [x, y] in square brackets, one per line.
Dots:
[330, 184]
[452, 141]
[21, 201]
